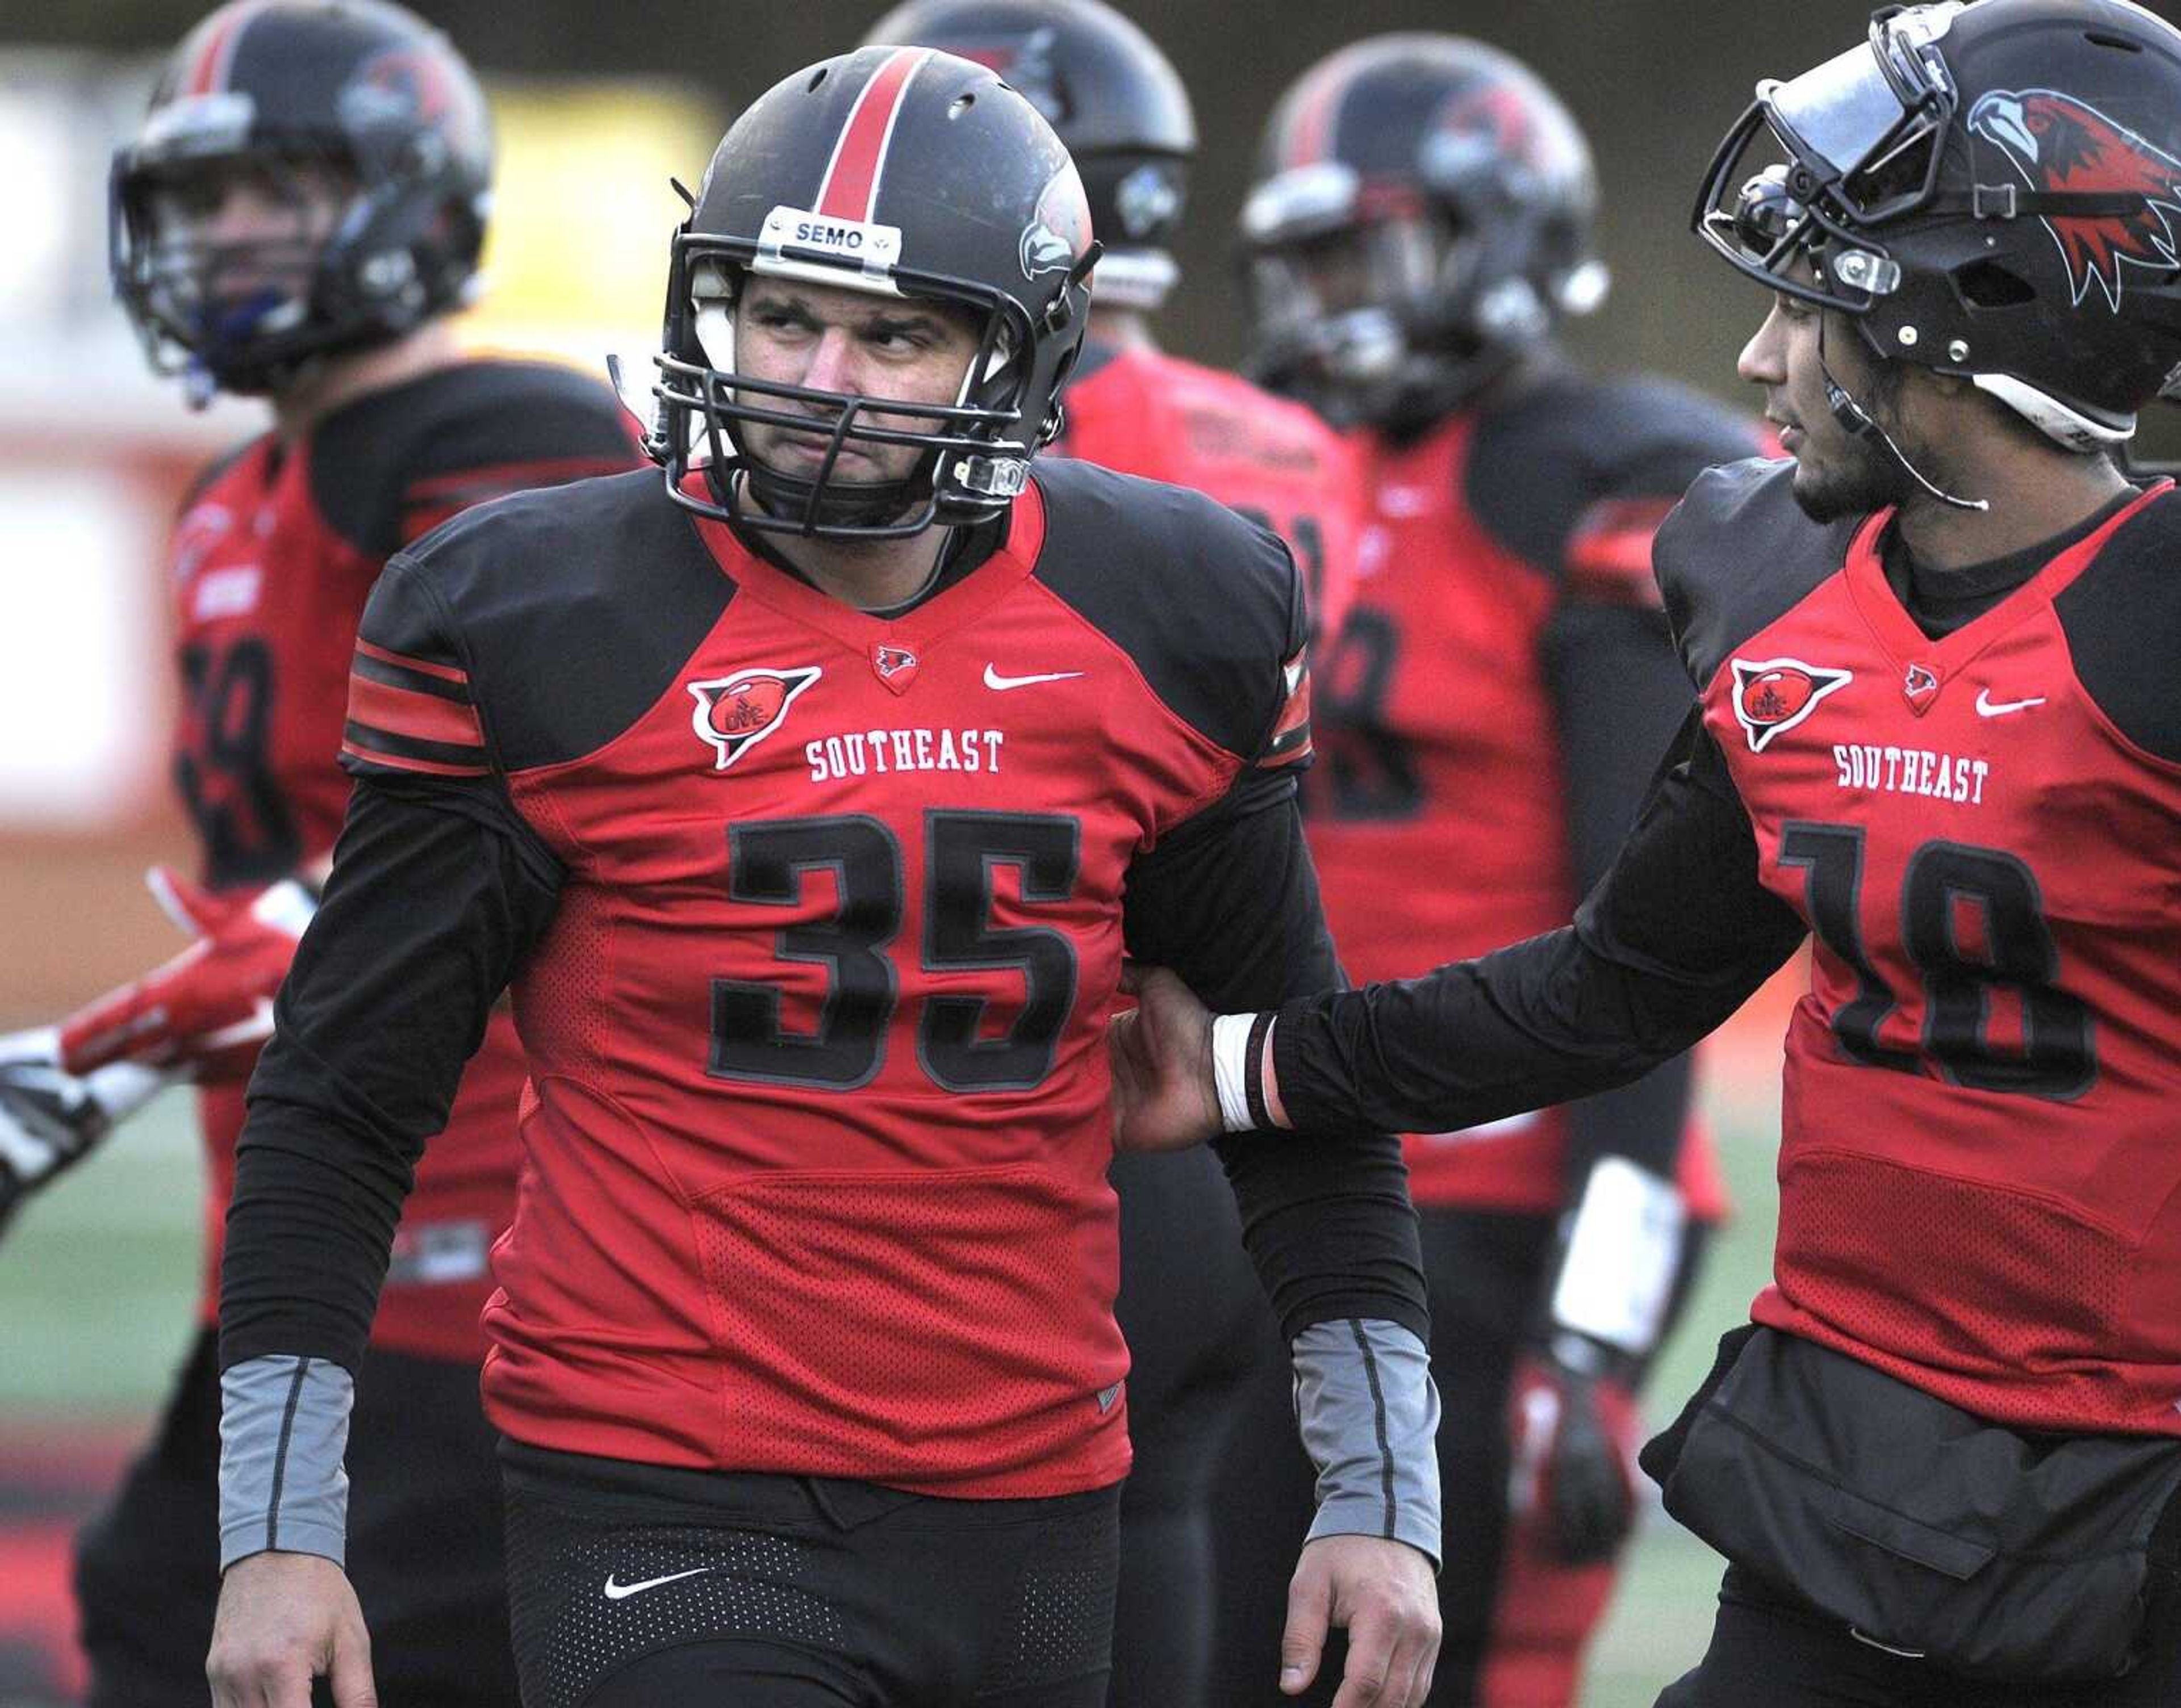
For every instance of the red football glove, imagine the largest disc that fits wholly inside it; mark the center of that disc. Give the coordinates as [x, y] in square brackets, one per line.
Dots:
[1572, 1436]
[209, 1010]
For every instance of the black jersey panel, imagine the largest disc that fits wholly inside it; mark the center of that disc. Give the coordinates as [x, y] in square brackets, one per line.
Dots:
[1207, 605]
[395, 463]
[572, 608]
[2122, 619]
[1737, 554]
[1546, 457]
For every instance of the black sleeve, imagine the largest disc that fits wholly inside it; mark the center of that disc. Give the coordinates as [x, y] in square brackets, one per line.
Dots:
[1673, 940]
[1230, 902]
[1619, 694]
[434, 900]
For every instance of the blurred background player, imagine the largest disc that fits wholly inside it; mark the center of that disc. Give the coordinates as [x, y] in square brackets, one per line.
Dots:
[1496, 698]
[1189, 1306]
[299, 215]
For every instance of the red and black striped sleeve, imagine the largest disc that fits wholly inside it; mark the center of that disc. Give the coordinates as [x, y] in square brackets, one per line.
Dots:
[411, 710]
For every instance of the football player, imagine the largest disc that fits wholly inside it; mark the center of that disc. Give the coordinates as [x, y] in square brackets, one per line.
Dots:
[1937, 734]
[808, 803]
[1420, 227]
[1194, 1318]
[296, 220]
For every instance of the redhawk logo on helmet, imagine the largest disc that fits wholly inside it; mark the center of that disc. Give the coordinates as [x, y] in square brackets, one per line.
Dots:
[2060, 144]
[1056, 235]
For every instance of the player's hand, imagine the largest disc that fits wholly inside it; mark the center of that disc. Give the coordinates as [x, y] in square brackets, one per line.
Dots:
[1163, 1095]
[51, 1119]
[209, 1010]
[285, 1619]
[1382, 1594]
[1573, 1436]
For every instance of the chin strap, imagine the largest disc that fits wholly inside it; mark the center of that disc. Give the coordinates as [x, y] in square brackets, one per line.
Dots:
[1856, 422]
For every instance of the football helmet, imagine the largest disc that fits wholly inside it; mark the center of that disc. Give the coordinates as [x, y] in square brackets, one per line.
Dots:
[358, 98]
[906, 172]
[1456, 195]
[1990, 190]
[1111, 95]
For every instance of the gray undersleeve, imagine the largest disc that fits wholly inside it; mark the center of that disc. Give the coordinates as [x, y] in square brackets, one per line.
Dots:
[1369, 1415]
[282, 1431]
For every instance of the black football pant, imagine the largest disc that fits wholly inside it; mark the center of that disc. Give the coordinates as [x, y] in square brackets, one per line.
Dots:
[1191, 1307]
[1769, 1648]
[423, 1545]
[639, 1587]
[1508, 1638]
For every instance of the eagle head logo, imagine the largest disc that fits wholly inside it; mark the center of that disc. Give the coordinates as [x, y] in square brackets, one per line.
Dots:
[1059, 230]
[2058, 144]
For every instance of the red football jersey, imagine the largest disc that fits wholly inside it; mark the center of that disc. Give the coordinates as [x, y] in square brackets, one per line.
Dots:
[269, 567]
[816, 1161]
[1980, 1179]
[1144, 412]
[1438, 807]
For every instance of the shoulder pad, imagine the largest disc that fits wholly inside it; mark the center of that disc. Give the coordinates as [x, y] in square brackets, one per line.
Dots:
[571, 607]
[2122, 619]
[393, 465]
[1208, 604]
[1575, 475]
[1737, 553]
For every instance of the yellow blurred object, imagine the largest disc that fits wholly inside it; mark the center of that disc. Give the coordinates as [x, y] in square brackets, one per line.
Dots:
[576, 260]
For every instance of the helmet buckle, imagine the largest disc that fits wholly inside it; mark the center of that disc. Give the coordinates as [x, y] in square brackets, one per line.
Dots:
[992, 477]
[1859, 269]
[1996, 209]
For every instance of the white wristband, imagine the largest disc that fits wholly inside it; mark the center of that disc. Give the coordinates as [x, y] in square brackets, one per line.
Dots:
[1231, 1068]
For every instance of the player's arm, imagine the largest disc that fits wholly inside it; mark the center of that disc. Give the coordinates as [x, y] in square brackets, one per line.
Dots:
[1678, 934]
[1231, 900]
[437, 890]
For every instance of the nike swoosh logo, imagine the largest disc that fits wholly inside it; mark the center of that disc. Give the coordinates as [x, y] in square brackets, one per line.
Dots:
[993, 678]
[619, 1592]
[1989, 708]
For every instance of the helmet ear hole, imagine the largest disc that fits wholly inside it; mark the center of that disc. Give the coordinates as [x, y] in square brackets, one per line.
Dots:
[1988, 284]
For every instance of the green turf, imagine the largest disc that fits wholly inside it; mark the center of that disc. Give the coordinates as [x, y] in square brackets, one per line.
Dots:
[99, 1280]
[98, 1277]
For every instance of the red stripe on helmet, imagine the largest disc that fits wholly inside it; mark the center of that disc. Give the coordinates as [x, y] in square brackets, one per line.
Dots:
[218, 59]
[1310, 134]
[850, 189]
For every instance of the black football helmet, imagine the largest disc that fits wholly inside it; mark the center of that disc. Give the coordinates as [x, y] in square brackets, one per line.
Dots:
[1468, 190]
[372, 99]
[1108, 93]
[903, 172]
[1990, 190]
